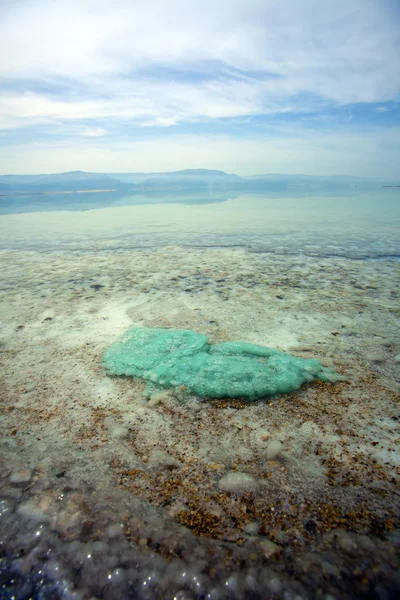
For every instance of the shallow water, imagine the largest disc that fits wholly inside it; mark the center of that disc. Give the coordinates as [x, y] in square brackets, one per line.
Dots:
[106, 493]
[359, 225]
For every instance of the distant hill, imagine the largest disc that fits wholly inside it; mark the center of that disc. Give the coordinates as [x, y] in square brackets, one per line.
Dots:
[62, 182]
[199, 180]
[203, 181]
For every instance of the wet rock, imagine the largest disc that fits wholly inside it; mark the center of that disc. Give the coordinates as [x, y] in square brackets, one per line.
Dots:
[274, 449]
[238, 483]
[377, 358]
[30, 387]
[30, 511]
[119, 433]
[23, 476]
[252, 528]
[5, 507]
[270, 548]
[158, 458]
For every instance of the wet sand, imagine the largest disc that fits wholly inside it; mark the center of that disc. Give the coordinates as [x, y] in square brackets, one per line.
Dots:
[106, 493]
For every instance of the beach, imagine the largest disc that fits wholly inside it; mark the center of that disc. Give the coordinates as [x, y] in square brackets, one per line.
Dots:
[107, 492]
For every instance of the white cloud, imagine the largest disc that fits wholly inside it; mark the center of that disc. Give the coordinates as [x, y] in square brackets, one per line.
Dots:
[341, 51]
[94, 132]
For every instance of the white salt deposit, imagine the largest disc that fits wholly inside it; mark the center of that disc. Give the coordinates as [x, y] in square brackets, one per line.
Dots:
[274, 449]
[238, 483]
[128, 493]
[119, 432]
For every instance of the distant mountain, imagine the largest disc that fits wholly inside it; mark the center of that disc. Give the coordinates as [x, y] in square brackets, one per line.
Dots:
[189, 181]
[62, 182]
[312, 182]
[195, 180]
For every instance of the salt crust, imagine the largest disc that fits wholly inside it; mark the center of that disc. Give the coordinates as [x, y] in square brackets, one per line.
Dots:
[172, 358]
[56, 402]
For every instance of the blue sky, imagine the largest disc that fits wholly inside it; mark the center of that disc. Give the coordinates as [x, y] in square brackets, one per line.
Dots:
[247, 86]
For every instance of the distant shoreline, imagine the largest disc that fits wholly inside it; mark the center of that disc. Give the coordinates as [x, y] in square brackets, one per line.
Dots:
[58, 193]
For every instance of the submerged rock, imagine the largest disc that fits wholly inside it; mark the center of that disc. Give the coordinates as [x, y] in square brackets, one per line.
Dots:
[185, 359]
[238, 483]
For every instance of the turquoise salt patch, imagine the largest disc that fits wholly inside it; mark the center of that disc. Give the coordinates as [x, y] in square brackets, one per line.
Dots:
[173, 358]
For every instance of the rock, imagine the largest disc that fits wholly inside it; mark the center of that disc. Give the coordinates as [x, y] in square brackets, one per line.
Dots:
[274, 449]
[238, 483]
[23, 476]
[159, 458]
[252, 528]
[269, 548]
[119, 432]
[114, 531]
[30, 511]
[377, 358]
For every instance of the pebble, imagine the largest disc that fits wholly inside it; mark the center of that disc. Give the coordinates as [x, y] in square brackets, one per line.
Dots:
[32, 512]
[238, 483]
[397, 358]
[252, 528]
[114, 531]
[159, 458]
[30, 387]
[21, 476]
[270, 548]
[274, 449]
[377, 358]
[154, 401]
[119, 433]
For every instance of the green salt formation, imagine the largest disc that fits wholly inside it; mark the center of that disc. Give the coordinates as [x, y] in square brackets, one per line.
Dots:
[174, 358]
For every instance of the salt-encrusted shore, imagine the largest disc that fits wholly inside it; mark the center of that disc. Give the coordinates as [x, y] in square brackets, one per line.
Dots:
[109, 494]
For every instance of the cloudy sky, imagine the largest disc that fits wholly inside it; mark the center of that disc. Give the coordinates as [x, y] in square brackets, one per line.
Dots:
[247, 86]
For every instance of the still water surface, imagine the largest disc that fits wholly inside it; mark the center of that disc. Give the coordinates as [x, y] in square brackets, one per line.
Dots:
[354, 225]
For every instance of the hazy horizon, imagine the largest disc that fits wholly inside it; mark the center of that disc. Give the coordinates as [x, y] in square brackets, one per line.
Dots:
[227, 172]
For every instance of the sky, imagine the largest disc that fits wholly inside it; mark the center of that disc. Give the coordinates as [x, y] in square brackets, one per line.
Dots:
[246, 86]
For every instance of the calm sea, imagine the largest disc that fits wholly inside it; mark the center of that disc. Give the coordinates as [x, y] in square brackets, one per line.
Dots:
[355, 224]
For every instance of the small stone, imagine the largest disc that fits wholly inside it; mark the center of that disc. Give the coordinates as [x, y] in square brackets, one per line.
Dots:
[177, 508]
[347, 542]
[30, 511]
[269, 548]
[160, 396]
[397, 358]
[23, 476]
[238, 483]
[252, 528]
[274, 449]
[377, 358]
[154, 400]
[159, 458]
[119, 433]
[30, 387]
[114, 531]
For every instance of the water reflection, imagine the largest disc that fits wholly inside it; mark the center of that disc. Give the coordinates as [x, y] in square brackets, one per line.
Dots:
[357, 224]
